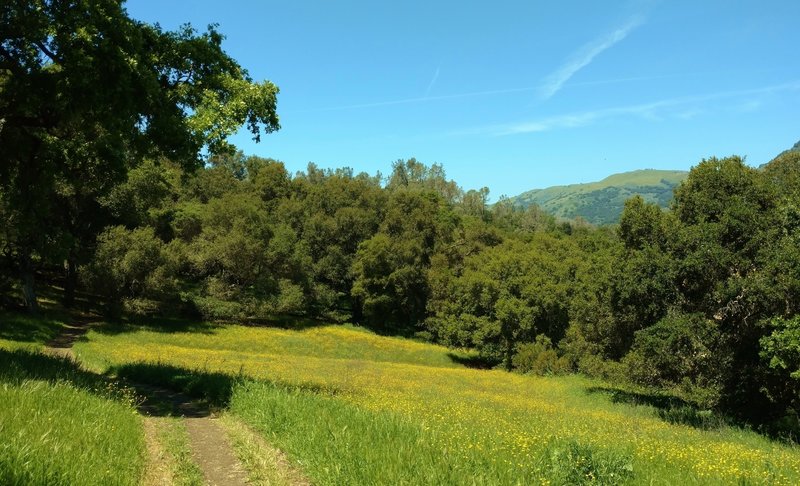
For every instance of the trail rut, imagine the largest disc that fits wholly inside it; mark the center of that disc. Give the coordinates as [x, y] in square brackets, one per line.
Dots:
[210, 447]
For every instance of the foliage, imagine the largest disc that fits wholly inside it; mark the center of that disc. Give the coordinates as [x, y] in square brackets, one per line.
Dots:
[129, 265]
[683, 353]
[539, 358]
[390, 268]
[781, 351]
[507, 295]
[67, 143]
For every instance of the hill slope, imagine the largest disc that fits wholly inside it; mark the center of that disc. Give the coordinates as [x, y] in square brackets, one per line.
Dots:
[351, 407]
[601, 202]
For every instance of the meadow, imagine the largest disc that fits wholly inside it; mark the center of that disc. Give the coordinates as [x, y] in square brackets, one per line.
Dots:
[351, 407]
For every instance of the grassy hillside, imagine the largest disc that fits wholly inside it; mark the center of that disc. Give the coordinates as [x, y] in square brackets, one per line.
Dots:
[601, 202]
[351, 407]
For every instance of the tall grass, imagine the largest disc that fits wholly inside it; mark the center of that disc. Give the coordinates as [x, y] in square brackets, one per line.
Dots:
[61, 425]
[336, 442]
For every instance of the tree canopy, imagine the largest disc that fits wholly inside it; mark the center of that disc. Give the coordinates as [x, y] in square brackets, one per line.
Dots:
[85, 93]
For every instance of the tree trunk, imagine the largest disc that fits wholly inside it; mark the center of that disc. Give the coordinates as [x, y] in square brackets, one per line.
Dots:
[27, 273]
[509, 354]
[70, 280]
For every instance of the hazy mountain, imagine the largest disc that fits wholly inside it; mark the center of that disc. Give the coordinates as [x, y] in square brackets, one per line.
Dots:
[601, 202]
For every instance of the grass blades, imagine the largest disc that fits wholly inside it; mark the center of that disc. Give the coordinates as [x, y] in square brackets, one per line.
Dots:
[23, 331]
[61, 425]
[339, 443]
[265, 464]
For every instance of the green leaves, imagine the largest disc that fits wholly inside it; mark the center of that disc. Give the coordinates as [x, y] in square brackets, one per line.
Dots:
[87, 92]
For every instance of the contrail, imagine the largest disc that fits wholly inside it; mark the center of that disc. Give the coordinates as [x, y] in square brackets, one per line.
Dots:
[433, 81]
[581, 58]
[490, 92]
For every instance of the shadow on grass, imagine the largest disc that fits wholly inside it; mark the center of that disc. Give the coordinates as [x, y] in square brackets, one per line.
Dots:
[285, 321]
[471, 361]
[671, 409]
[25, 328]
[19, 366]
[170, 325]
[213, 389]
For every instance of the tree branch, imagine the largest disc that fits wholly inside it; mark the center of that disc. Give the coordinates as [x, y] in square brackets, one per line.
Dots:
[48, 52]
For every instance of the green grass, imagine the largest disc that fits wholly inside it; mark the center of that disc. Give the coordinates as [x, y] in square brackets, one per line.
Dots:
[351, 407]
[60, 425]
[22, 331]
[329, 342]
[264, 463]
[340, 443]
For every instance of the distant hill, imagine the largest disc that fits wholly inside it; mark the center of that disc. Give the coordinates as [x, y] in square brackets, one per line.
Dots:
[601, 202]
[795, 148]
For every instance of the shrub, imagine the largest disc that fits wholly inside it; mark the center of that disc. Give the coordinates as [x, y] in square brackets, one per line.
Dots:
[129, 265]
[684, 353]
[539, 358]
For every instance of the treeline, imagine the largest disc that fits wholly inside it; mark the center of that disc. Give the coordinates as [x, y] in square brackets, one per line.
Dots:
[701, 300]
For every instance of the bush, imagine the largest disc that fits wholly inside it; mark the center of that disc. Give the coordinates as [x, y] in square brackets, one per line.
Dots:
[539, 358]
[597, 367]
[684, 353]
[129, 265]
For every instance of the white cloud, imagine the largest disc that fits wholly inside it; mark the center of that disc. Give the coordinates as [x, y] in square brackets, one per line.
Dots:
[583, 56]
[682, 108]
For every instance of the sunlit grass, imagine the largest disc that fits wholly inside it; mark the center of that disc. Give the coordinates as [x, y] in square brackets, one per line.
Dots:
[330, 342]
[464, 425]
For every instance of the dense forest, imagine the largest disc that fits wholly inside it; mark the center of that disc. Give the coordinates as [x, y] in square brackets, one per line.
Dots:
[131, 194]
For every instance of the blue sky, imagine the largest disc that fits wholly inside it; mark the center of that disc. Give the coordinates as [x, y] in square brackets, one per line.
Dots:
[514, 95]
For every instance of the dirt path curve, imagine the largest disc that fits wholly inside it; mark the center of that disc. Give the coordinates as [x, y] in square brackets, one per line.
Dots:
[61, 345]
[209, 444]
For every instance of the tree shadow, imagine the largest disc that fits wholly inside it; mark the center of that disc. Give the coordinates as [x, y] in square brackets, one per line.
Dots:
[174, 390]
[213, 388]
[170, 325]
[167, 325]
[284, 321]
[472, 361]
[19, 366]
[668, 408]
[26, 328]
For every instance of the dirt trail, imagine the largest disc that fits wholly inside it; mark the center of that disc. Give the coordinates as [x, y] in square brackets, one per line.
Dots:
[211, 449]
[209, 444]
[61, 345]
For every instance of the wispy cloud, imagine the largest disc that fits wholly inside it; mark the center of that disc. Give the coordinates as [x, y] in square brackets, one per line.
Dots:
[583, 56]
[492, 92]
[433, 81]
[672, 107]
